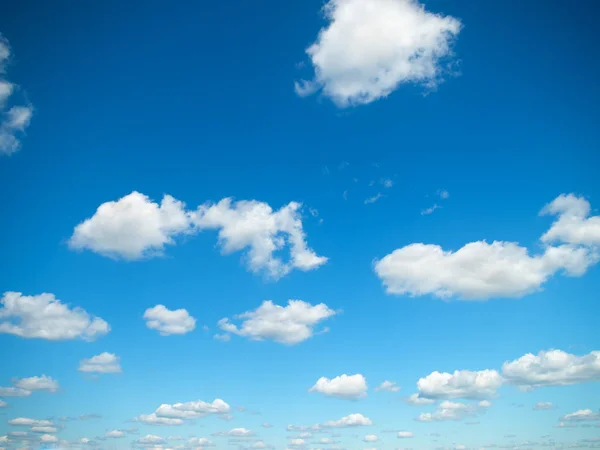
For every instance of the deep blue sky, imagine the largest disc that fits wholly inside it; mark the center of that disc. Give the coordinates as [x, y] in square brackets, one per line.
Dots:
[196, 100]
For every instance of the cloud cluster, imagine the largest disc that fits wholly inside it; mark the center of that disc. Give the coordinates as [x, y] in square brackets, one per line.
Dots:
[351, 420]
[480, 270]
[102, 363]
[350, 387]
[389, 386]
[460, 384]
[23, 387]
[14, 119]
[369, 48]
[448, 410]
[135, 227]
[45, 317]
[168, 322]
[289, 324]
[177, 413]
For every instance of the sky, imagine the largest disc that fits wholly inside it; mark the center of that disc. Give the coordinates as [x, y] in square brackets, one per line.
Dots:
[332, 224]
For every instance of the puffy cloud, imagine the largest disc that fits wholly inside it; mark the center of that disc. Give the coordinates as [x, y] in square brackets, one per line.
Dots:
[168, 321]
[416, 399]
[552, 368]
[235, 432]
[581, 416]
[480, 270]
[297, 443]
[136, 227]
[14, 392]
[542, 406]
[405, 434]
[26, 421]
[290, 325]
[254, 226]
[371, 47]
[153, 419]
[45, 317]
[352, 420]
[151, 439]
[3, 404]
[48, 438]
[44, 429]
[460, 384]
[448, 410]
[102, 363]
[370, 438]
[191, 410]
[345, 386]
[389, 386]
[573, 225]
[14, 120]
[200, 442]
[43, 383]
[133, 227]
[114, 434]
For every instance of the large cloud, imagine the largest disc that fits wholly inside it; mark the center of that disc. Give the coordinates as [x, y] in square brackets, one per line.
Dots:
[285, 324]
[102, 363]
[167, 321]
[43, 383]
[350, 387]
[177, 413]
[136, 227]
[480, 270]
[460, 384]
[552, 368]
[13, 119]
[370, 47]
[44, 316]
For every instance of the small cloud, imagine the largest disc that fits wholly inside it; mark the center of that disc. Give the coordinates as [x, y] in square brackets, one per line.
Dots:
[387, 182]
[430, 210]
[345, 195]
[223, 337]
[343, 165]
[373, 199]
[102, 363]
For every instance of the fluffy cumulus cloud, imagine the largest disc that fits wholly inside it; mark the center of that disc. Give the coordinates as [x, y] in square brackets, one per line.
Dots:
[369, 48]
[27, 422]
[289, 324]
[153, 419]
[405, 434]
[45, 317]
[460, 384]
[350, 387]
[235, 432]
[48, 438]
[14, 118]
[541, 406]
[115, 434]
[43, 383]
[448, 410]
[552, 368]
[150, 439]
[581, 416]
[136, 227]
[168, 322]
[370, 438]
[177, 413]
[102, 363]
[389, 386]
[480, 270]
[12, 391]
[352, 420]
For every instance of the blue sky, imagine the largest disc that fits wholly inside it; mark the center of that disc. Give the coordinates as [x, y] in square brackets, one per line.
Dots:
[255, 214]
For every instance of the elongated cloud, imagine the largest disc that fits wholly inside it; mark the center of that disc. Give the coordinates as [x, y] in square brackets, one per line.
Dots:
[102, 363]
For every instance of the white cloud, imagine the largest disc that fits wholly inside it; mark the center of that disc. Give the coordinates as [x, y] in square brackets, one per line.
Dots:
[3, 404]
[151, 439]
[255, 226]
[45, 317]
[48, 438]
[543, 406]
[416, 399]
[44, 429]
[352, 420]
[288, 325]
[223, 337]
[345, 386]
[370, 438]
[14, 392]
[373, 199]
[479, 270]
[200, 442]
[371, 47]
[153, 419]
[581, 416]
[168, 322]
[443, 194]
[114, 434]
[235, 432]
[389, 386]
[573, 226]
[43, 383]
[102, 363]
[133, 227]
[460, 384]
[191, 410]
[26, 421]
[552, 368]
[449, 411]
[297, 443]
[430, 210]
[405, 434]
[15, 120]
[484, 404]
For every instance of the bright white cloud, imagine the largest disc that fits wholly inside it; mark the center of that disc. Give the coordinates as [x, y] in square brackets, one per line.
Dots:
[405, 434]
[352, 420]
[133, 227]
[350, 387]
[235, 432]
[44, 429]
[371, 47]
[102, 363]
[168, 322]
[480, 270]
[151, 439]
[370, 438]
[460, 384]
[14, 392]
[191, 410]
[43, 383]
[14, 120]
[552, 368]
[581, 416]
[416, 399]
[543, 406]
[389, 386]
[200, 442]
[573, 226]
[48, 438]
[448, 410]
[153, 419]
[254, 226]
[114, 434]
[288, 325]
[27, 422]
[45, 317]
